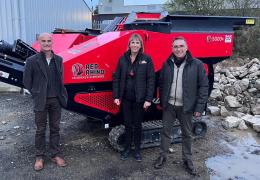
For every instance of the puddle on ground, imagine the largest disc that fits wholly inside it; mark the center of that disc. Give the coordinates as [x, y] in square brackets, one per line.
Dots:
[242, 164]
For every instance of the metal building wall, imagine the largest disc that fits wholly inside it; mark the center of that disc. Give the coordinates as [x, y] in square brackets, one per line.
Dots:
[26, 18]
[11, 21]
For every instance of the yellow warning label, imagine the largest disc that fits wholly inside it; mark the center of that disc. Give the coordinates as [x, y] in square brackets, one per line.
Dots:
[250, 21]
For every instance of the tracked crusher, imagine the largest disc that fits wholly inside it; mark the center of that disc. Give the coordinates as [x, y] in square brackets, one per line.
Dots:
[90, 58]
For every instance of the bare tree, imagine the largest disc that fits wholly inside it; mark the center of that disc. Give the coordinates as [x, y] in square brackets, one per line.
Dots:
[247, 41]
[244, 7]
[201, 7]
[244, 4]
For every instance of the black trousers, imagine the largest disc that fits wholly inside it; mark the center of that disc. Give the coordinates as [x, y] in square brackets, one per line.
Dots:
[133, 114]
[53, 111]
[170, 114]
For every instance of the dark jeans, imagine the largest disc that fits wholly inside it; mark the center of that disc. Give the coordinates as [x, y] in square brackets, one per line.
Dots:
[170, 114]
[53, 110]
[133, 113]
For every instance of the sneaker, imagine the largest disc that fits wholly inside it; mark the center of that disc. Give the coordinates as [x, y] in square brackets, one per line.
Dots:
[124, 155]
[138, 156]
[159, 162]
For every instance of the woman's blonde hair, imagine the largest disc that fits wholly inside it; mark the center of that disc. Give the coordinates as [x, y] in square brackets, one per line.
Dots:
[136, 37]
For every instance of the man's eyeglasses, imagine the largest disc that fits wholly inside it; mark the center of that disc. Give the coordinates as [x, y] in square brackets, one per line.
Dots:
[180, 46]
[46, 41]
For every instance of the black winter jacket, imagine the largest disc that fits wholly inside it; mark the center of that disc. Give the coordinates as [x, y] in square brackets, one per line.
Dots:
[194, 82]
[145, 77]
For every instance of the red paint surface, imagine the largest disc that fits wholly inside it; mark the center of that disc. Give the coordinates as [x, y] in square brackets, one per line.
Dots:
[104, 51]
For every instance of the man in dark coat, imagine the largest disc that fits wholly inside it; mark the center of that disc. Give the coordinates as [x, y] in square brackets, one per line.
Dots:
[183, 93]
[43, 77]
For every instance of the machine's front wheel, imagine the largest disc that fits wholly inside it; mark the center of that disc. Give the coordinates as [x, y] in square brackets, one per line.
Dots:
[117, 137]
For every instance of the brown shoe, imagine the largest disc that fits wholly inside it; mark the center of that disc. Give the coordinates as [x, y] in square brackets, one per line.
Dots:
[38, 164]
[59, 161]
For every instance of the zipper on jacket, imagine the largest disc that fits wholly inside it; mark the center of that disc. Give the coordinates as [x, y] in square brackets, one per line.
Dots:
[176, 85]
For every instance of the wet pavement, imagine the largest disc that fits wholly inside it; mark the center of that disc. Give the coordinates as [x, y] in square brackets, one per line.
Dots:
[242, 163]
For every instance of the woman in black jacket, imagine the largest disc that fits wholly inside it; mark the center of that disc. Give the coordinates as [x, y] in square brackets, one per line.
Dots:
[133, 87]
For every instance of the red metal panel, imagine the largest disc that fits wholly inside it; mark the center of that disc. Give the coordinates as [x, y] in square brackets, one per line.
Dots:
[95, 60]
[148, 16]
[201, 45]
[100, 100]
[62, 42]
[206, 69]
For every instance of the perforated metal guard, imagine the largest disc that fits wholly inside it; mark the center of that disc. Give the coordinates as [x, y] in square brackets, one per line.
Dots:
[99, 100]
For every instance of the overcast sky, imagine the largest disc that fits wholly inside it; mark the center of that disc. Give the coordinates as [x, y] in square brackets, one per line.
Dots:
[130, 2]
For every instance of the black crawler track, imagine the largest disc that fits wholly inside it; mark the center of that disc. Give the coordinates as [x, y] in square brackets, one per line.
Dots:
[151, 136]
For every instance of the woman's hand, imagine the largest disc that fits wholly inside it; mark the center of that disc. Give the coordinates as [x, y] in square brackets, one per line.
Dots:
[117, 101]
[146, 104]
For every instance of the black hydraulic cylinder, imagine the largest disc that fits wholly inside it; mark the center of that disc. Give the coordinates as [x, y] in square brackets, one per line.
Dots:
[19, 49]
[6, 48]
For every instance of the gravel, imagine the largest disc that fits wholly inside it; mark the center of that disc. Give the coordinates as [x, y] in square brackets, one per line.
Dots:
[87, 150]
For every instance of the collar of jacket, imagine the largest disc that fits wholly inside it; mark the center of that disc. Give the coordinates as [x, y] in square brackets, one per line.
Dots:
[42, 66]
[189, 57]
[128, 53]
[44, 56]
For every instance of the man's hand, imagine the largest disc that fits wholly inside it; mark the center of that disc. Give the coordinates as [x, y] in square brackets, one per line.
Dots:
[146, 104]
[117, 101]
[197, 115]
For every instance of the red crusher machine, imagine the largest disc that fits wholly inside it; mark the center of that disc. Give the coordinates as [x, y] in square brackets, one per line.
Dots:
[90, 58]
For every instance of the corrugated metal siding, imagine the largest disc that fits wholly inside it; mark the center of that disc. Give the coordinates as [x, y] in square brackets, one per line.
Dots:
[26, 18]
[10, 21]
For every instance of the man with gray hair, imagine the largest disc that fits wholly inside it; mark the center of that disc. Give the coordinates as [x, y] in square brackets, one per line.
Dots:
[183, 94]
[43, 77]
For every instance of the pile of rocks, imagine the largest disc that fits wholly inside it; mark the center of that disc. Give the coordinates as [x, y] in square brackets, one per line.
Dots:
[236, 95]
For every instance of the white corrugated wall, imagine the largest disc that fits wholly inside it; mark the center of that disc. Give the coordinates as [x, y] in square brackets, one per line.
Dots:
[10, 20]
[26, 18]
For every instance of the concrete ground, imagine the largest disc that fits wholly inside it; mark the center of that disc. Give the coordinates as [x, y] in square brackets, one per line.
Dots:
[8, 88]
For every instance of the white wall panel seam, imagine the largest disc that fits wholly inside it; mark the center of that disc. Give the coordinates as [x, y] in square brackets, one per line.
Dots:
[25, 18]
[22, 19]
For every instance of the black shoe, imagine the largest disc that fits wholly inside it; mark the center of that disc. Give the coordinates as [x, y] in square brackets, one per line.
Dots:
[124, 155]
[190, 167]
[138, 156]
[159, 162]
